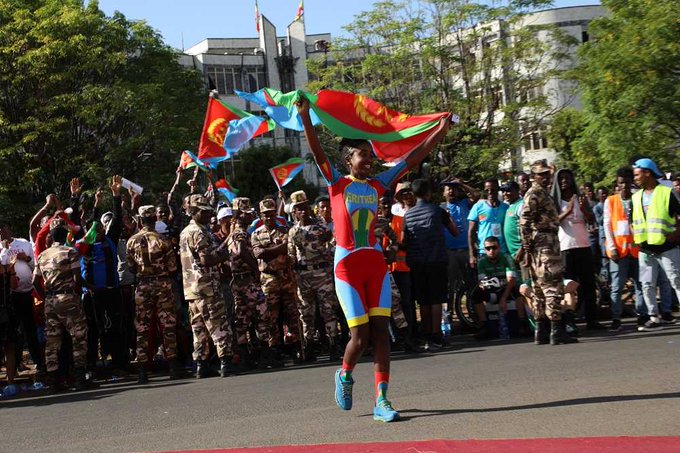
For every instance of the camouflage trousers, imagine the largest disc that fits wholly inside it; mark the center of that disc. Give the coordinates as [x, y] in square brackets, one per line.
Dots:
[155, 296]
[315, 287]
[397, 312]
[209, 320]
[65, 310]
[249, 307]
[546, 275]
[279, 292]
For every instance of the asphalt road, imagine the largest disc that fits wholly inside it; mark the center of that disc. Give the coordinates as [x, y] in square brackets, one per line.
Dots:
[626, 384]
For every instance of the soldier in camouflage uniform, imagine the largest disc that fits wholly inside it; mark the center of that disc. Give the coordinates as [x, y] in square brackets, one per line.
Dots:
[308, 250]
[270, 247]
[151, 258]
[200, 255]
[249, 302]
[59, 267]
[387, 239]
[539, 223]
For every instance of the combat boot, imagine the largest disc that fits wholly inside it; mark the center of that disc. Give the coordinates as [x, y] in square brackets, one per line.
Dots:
[174, 371]
[227, 368]
[268, 359]
[53, 381]
[409, 344]
[541, 334]
[558, 335]
[203, 369]
[142, 376]
[333, 349]
[81, 382]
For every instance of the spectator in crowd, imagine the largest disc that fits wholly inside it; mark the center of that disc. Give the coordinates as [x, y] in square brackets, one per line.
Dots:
[524, 181]
[399, 268]
[486, 219]
[102, 301]
[427, 259]
[621, 248]
[575, 213]
[656, 230]
[676, 186]
[458, 200]
[539, 225]
[497, 284]
[8, 281]
[18, 253]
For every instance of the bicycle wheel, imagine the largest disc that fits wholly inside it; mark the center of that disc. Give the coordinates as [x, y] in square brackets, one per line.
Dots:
[464, 308]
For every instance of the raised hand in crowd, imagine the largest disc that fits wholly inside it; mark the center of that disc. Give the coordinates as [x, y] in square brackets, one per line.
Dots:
[76, 187]
[115, 185]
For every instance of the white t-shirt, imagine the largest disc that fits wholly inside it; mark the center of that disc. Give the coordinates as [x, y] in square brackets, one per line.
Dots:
[23, 269]
[573, 232]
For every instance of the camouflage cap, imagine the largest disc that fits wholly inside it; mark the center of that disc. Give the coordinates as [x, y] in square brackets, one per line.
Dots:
[540, 166]
[198, 201]
[242, 204]
[402, 187]
[298, 197]
[267, 205]
[147, 211]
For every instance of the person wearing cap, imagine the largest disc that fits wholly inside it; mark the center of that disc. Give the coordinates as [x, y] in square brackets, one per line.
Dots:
[59, 269]
[486, 220]
[399, 270]
[308, 251]
[656, 229]
[250, 306]
[224, 218]
[270, 247]
[151, 259]
[362, 283]
[539, 224]
[258, 222]
[201, 255]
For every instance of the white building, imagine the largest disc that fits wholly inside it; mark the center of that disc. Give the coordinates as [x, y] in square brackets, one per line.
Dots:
[249, 64]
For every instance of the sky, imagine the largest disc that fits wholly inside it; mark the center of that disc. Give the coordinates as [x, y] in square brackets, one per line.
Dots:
[184, 23]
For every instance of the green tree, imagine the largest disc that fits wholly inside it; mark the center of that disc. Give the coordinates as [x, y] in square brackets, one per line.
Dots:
[630, 79]
[83, 94]
[475, 59]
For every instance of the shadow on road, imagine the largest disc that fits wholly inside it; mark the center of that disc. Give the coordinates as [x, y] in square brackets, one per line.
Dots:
[38, 400]
[408, 414]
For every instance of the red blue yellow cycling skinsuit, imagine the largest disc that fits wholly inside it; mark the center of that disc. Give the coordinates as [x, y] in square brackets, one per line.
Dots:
[361, 280]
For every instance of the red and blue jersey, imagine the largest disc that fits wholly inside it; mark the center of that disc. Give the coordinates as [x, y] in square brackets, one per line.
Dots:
[354, 204]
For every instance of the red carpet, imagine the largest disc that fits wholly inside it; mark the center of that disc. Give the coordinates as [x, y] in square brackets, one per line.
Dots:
[579, 445]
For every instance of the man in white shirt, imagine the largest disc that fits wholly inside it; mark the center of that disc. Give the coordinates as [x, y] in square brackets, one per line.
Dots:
[20, 253]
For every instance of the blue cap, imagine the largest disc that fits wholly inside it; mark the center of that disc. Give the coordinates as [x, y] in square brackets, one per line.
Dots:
[648, 164]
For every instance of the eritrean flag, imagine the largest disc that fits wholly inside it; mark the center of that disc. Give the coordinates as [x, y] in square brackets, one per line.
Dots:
[393, 134]
[225, 189]
[300, 12]
[189, 160]
[218, 119]
[285, 172]
[242, 131]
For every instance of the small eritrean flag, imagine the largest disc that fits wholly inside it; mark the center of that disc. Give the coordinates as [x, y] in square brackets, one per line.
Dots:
[285, 172]
[300, 12]
[393, 134]
[83, 244]
[218, 118]
[226, 190]
[189, 160]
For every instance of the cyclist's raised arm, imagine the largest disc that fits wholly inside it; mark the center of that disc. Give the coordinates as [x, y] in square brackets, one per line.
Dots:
[425, 148]
[327, 170]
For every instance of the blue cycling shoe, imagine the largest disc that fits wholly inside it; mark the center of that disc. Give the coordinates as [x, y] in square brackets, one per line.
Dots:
[384, 412]
[343, 391]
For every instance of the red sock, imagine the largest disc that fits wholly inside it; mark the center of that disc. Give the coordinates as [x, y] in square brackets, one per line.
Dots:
[382, 379]
[346, 369]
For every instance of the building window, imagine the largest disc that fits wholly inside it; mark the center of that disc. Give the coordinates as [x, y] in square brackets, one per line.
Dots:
[530, 94]
[585, 37]
[535, 140]
[225, 79]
